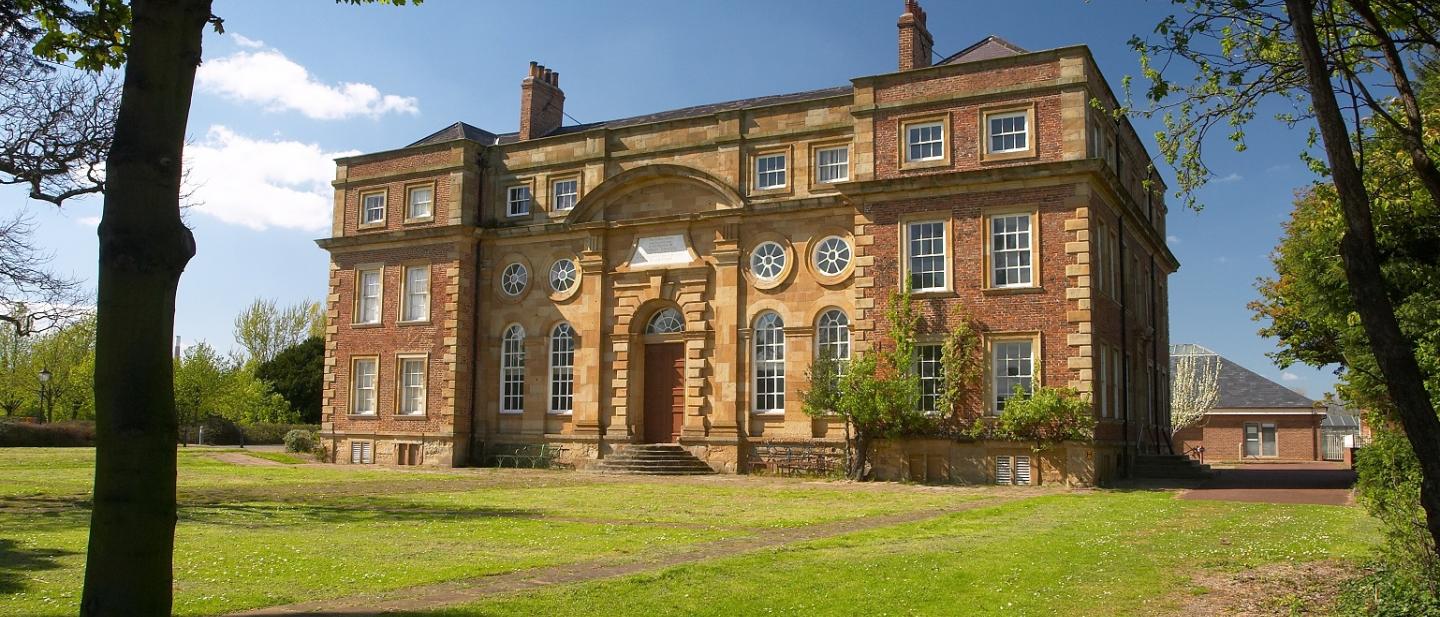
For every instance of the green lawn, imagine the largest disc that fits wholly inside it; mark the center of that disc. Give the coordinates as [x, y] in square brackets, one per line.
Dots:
[258, 535]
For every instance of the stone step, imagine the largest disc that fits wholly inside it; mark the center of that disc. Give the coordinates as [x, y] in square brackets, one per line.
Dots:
[654, 460]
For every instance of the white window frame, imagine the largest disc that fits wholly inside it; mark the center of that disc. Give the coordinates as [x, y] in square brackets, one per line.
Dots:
[768, 336]
[561, 348]
[361, 298]
[410, 203]
[1023, 134]
[566, 266]
[406, 392]
[780, 173]
[839, 168]
[522, 278]
[673, 322]
[943, 256]
[917, 130]
[998, 365]
[927, 360]
[768, 254]
[416, 294]
[833, 249]
[512, 369]
[357, 386]
[565, 201]
[512, 201]
[1025, 255]
[365, 220]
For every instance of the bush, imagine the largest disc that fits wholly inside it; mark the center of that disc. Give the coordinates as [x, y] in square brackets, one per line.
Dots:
[215, 430]
[263, 433]
[72, 434]
[299, 440]
[1046, 416]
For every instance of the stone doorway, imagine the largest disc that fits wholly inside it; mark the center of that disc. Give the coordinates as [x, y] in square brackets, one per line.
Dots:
[664, 392]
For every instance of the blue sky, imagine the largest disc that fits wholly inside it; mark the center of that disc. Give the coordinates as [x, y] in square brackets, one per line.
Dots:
[294, 83]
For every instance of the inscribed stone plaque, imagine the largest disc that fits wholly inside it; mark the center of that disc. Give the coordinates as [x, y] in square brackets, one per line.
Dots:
[661, 251]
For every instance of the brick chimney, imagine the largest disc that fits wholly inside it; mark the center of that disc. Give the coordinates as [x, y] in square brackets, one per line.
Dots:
[915, 40]
[542, 103]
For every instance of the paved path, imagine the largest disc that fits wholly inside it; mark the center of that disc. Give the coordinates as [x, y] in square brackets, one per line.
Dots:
[438, 595]
[1317, 483]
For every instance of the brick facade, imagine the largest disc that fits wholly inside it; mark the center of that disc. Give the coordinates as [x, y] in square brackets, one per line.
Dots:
[692, 181]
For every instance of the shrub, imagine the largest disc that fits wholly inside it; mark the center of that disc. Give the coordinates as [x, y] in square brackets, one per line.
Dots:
[299, 440]
[73, 434]
[219, 431]
[1046, 416]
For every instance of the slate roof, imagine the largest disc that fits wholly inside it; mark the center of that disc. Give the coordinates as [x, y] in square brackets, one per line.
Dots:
[1242, 388]
[989, 47]
[460, 130]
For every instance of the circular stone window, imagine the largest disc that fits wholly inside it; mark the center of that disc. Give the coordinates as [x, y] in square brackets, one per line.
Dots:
[832, 256]
[767, 261]
[563, 275]
[514, 279]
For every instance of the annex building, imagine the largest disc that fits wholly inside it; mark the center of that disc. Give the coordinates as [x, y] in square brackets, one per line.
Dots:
[668, 278]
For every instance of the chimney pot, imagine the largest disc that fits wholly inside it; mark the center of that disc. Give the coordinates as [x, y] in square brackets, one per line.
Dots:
[542, 108]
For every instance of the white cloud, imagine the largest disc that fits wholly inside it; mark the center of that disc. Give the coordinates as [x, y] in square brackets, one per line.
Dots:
[247, 42]
[261, 184]
[268, 78]
[1288, 376]
[1233, 177]
[1172, 239]
[88, 221]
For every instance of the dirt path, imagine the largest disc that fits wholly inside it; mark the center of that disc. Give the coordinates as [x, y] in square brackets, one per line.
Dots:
[438, 595]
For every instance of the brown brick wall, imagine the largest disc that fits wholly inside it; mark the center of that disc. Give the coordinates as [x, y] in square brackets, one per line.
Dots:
[1224, 435]
[445, 198]
[965, 135]
[447, 392]
[972, 81]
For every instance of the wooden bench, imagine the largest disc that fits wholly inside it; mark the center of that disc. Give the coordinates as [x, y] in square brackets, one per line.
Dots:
[793, 459]
[532, 455]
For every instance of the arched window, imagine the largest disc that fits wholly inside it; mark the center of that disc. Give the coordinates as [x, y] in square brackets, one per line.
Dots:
[769, 336]
[832, 335]
[512, 370]
[665, 322]
[562, 369]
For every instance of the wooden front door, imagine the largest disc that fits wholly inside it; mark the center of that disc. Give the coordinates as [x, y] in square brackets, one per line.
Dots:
[664, 392]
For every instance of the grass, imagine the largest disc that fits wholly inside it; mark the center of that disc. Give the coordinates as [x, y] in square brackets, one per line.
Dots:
[1108, 553]
[279, 457]
[260, 535]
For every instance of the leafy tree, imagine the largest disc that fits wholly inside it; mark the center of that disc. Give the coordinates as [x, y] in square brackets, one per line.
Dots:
[1308, 306]
[17, 380]
[209, 384]
[1315, 54]
[144, 247]
[69, 354]
[265, 329]
[298, 374]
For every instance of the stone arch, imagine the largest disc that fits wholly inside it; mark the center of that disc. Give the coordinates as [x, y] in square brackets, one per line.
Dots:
[593, 204]
[651, 308]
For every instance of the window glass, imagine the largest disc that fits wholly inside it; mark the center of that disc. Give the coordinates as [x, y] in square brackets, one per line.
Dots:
[368, 310]
[1010, 250]
[566, 194]
[927, 256]
[417, 294]
[562, 369]
[832, 256]
[925, 142]
[770, 171]
[832, 335]
[518, 201]
[422, 200]
[514, 279]
[1013, 365]
[767, 261]
[666, 321]
[512, 370]
[928, 367]
[769, 363]
[363, 397]
[1007, 132]
[412, 386]
[833, 164]
[374, 209]
[563, 275]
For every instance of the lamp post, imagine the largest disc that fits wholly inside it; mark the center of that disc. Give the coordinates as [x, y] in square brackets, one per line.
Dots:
[45, 392]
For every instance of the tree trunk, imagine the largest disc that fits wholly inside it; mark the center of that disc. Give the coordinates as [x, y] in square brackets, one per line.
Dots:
[144, 247]
[862, 455]
[1361, 257]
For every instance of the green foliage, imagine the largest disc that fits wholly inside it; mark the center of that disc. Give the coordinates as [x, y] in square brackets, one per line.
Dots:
[300, 440]
[962, 364]
[70, 434]
[1046, 417]
[68, 352]
[207, 384]
[265, 328]
[297, 374]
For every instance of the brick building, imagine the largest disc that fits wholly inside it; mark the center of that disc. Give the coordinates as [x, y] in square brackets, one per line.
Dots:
[1255, 418]
[669, 277]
